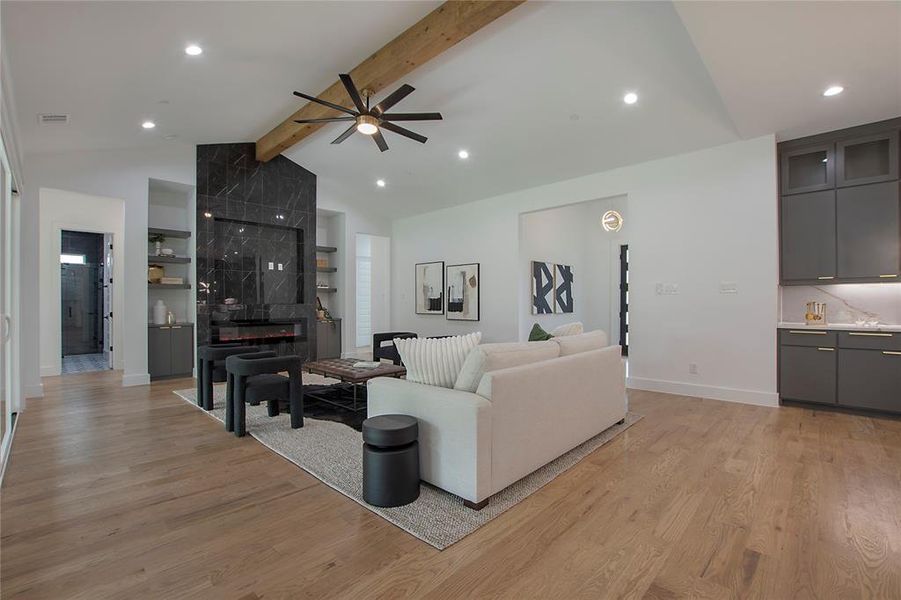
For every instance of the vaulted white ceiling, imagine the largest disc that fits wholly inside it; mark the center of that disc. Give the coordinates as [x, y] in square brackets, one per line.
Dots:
[535, 97]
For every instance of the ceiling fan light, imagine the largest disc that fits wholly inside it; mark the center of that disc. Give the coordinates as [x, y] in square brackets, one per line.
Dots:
[367, 125]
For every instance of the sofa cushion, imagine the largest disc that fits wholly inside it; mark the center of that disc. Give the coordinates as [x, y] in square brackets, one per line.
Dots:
[568, 329]
[492, 357]
[574, 344]
[435, 361]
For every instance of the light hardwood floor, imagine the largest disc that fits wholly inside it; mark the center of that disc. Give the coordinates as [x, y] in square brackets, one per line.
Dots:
[130, 493]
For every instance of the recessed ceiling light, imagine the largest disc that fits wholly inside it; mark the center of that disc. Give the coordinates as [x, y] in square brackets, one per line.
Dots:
[833, 90]
[464, 154]
[148, 124]
[630, 98]
[193, 50]
[380, 182]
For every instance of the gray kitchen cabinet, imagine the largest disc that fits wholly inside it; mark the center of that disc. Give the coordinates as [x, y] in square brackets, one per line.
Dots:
[807, 169]
[868, 222]
[867, 159]
[170, 350]
[328, 339]
[870, 379]
[182, 349]
[808, 236]
[807, 374]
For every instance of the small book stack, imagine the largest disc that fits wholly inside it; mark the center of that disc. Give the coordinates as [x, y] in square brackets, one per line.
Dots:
[172, 280]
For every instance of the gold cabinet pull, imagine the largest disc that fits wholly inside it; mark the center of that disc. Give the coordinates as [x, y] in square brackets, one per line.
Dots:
[889, 276]
[826, 277]
[890, 353]
[808, 332]
[826, 349]
[862, 334]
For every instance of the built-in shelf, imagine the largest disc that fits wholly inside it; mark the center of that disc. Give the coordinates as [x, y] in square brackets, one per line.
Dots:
[169, 233]
[168, 259]
[326, 269]
[319, 289]
[155, 326]
[169, 286]
[326, 249]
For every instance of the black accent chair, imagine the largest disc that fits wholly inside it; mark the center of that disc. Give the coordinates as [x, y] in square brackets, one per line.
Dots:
[254, 378]
[388, 352]
[211, 368]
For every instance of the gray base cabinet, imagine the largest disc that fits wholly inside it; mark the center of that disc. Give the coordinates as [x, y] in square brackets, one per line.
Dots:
[808, 374]
[853, 369]
[870, 379]
[170, 350]
[328, 339]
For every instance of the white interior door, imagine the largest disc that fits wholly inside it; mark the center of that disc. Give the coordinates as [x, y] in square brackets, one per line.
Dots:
[7, 335]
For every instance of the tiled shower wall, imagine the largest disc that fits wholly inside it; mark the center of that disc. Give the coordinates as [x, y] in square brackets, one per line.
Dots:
[256, 241]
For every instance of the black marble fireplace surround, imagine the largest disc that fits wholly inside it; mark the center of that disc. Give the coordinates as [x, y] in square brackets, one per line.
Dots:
[256, 250]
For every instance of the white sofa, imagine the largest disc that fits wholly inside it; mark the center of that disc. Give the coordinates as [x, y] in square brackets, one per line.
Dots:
[506, 421]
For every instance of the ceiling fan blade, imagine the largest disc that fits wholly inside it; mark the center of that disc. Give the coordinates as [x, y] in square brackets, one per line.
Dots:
[393, 98]
[349, 132]
[404, 132]
[328, 120]
[325, 103]
[352, 92]
[380, 141]
[432, 116]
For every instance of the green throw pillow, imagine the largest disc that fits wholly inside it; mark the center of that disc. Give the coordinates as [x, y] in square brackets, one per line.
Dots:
[538, 334]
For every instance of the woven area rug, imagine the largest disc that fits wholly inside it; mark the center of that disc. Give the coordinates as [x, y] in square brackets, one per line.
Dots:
[332, 452]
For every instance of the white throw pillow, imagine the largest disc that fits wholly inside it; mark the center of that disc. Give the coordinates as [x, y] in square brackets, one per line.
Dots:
[493, 357]
[568, 329]
[436, 361]
[574, 344]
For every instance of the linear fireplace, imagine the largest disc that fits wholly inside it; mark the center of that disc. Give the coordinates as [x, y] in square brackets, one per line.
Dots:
[259, 332]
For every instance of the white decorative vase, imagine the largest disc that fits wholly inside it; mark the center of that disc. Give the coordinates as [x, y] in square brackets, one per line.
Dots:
[159, 248]
[159, 313]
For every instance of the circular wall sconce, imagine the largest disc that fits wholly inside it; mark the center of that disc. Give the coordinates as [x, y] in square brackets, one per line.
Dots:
[612, 221]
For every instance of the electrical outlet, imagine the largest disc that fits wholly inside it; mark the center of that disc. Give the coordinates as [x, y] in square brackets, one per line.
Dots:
[693, 368]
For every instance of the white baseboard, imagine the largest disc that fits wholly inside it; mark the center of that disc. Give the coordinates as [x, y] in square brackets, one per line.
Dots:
[49, 371]
[704, 391]
[133, 379]
[34, 391]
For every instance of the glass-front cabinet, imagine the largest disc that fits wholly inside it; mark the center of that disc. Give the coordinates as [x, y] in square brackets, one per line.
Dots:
[809, 169]
[867, 159]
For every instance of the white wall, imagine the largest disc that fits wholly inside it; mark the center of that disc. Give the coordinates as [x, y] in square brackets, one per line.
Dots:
[572, 235]
[696, 220]
[120, 174]
[59, 210]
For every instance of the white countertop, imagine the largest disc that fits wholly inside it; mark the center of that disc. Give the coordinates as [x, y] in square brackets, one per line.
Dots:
[841, 327]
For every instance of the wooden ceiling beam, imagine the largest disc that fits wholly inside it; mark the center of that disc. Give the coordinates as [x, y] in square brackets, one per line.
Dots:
[441, 29]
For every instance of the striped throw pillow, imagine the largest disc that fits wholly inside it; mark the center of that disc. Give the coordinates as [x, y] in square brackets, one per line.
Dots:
[436, 361]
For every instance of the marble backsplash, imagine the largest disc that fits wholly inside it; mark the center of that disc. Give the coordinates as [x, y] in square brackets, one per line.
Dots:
[846, 303]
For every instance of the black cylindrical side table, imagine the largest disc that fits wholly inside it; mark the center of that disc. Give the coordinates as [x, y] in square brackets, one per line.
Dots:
[390, 460]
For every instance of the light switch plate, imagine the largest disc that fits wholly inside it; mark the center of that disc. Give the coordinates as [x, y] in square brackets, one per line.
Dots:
[728, 287]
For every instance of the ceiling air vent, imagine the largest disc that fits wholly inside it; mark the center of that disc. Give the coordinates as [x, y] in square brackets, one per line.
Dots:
[53, 119]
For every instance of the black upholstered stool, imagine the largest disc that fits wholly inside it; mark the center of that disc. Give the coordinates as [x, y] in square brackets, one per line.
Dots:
[254, 378]
[390, 460]
[211, 368]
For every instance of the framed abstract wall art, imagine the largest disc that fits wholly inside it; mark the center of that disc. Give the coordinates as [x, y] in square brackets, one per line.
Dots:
[463, 287]
[429, 292]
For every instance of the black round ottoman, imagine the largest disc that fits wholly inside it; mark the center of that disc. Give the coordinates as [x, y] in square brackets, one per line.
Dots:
[390, 460]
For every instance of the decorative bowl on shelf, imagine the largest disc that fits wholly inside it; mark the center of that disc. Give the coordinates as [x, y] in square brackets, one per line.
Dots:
[167, 252]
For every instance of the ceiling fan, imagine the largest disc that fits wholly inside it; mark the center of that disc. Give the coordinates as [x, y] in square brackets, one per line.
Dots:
[370, 121]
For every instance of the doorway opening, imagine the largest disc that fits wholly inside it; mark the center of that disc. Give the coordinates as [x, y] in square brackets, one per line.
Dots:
[86, 303]
[372, 288]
